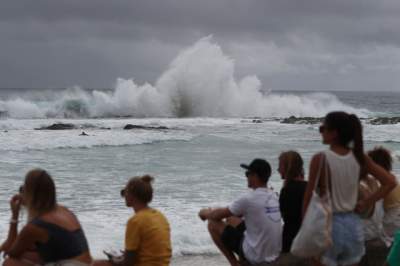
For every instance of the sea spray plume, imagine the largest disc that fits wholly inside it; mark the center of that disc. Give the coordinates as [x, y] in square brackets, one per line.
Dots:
[130, 99]
[200, 82]
[19, 108]
[73, 103]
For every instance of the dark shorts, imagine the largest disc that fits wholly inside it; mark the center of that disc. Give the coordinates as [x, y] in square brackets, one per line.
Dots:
[232, 238]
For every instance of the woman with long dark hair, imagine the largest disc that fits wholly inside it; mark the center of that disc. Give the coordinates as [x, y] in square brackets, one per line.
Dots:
[347, 164]
[52, 230]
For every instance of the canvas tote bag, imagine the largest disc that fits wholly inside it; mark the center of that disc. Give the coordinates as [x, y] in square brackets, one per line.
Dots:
[314, 236]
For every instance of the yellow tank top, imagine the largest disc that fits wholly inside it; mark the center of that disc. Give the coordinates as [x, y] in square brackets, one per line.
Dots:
[392, 200]
[148, 235]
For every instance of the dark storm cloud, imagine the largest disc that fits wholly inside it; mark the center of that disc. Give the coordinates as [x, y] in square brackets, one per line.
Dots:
[290, 44]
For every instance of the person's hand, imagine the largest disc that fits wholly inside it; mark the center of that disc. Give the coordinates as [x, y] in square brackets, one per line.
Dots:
[4, 248]
[203, 213]
[15, 205]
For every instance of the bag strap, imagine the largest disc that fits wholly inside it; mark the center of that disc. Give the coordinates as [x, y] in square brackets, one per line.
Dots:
[320, 165]
[323, 165]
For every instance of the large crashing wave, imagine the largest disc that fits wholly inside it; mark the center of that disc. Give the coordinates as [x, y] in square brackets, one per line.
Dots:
[200, 81]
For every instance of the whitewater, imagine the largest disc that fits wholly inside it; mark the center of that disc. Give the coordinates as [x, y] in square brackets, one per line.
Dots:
[200, 82]
[213, 120]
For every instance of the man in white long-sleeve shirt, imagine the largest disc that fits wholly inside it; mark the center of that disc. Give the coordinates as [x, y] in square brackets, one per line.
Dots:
[253, 228]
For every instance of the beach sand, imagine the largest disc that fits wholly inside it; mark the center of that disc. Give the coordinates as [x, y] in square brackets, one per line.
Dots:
[199, 260]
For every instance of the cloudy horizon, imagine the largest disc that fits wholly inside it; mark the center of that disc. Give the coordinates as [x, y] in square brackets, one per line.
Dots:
[288, 45]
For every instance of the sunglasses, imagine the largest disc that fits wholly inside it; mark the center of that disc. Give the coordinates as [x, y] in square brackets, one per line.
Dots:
[321, 129]
[248, 173]
[122, 192]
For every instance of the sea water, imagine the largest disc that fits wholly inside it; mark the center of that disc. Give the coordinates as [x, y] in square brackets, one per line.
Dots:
[214, 121]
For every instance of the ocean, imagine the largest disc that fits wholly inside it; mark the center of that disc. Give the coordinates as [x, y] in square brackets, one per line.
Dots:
[195, 162]
[211, 122]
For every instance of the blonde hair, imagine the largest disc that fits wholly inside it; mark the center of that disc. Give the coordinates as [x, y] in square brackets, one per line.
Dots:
[292, 164]
[140, 188]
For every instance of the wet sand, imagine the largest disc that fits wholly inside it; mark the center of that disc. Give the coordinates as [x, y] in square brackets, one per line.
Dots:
[199, 260]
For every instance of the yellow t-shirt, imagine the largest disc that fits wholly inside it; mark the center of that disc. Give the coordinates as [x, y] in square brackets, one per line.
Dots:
[392, 200]
[148, 235]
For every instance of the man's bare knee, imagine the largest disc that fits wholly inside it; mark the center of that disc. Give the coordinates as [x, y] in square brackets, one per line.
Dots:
[215, 226]
[234, 221]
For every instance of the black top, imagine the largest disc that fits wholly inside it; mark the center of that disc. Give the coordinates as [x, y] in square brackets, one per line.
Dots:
[291, 205]
[62, 244]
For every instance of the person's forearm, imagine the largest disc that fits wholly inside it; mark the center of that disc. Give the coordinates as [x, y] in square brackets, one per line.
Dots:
[381, 193]
[217, 214]
[13, 229]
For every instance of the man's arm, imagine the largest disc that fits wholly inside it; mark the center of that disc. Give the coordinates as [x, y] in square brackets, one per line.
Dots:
[215, 214]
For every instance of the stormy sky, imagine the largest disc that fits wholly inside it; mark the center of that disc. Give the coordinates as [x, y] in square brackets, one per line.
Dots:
[288, 44]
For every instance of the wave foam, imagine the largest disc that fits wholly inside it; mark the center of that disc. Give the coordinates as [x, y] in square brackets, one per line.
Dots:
[200, 82]
[16, 141]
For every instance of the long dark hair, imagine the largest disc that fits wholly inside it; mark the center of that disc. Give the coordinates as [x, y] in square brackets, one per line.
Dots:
[40, 192]
[349, 129]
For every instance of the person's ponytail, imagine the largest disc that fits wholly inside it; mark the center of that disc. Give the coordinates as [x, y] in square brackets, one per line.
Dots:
[358, 145]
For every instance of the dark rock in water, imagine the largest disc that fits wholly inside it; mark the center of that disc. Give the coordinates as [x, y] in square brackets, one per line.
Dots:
[83, 134]
[385, 120]
[58, 126]
[130, 126]
[106, 128]
[302, 120]
[257, 121]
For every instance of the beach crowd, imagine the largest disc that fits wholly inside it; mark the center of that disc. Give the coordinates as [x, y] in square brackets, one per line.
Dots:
[350, 199]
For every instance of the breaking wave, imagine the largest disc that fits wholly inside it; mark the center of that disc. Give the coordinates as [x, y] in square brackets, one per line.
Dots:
[200, 82]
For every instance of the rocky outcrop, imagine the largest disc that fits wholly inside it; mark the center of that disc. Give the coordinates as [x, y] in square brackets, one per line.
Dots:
[58, 126]
[302, 120]
[130, 126]
[385, 120]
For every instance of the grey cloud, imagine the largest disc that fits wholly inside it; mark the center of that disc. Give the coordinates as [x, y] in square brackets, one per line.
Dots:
[288, 43]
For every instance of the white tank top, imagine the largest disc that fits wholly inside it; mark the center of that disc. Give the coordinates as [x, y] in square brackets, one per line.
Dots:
[345, 174]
